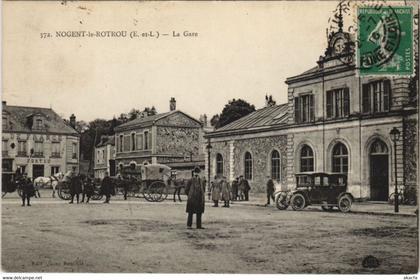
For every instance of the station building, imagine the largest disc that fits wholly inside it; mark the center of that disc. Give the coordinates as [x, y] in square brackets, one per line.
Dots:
[334, 121]
[172, 138]
[38, 142]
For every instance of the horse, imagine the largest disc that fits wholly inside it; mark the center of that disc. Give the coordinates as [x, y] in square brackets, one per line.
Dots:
[51, 181]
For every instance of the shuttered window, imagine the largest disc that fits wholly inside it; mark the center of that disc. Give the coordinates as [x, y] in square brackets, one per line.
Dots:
[304, 108]
[338, 103]
[376, 96]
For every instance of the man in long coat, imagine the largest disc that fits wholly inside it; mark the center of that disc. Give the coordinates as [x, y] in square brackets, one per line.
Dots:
[215, 190]
[225, 189]
[270, 190]
[75, 187]
[235, 189]
[28, 189]
[107, 187]
[195, 190]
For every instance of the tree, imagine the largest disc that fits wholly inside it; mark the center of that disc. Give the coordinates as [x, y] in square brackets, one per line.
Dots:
[232, 111]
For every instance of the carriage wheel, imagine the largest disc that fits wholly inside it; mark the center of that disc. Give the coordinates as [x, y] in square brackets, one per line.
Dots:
[156, 192]
[64, 193]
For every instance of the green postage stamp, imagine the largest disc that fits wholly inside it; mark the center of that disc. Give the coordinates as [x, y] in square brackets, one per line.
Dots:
[385, 40]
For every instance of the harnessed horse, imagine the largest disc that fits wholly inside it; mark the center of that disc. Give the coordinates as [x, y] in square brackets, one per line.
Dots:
[51, 181]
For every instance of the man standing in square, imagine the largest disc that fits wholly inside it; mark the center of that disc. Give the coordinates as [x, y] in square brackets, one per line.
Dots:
[195, 190]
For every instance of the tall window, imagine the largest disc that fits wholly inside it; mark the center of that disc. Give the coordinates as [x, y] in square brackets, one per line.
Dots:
[146, 140]
[376, 96]
[4, 122]
[39, 149]
[22, 148]
[219, 165]
[133, 141]
[248, 166]
[98, 156]
[306, 159]
[126, 143]
[121, 145]
[340, 158]
[38, 124]
[304, 108]
[74, 150]
[275, 165]
[338, 103]
[4, 148]
[55, 169]
[55, 149]
[139, 141]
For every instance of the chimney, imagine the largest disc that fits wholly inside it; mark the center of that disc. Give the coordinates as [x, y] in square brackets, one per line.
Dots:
[205, 120]
[172, 104]
[266, 100]
[269, 101]
[3, 103]
[73, 121]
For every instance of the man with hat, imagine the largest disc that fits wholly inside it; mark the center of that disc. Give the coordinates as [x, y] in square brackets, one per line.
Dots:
[195, 191]
[28, 189]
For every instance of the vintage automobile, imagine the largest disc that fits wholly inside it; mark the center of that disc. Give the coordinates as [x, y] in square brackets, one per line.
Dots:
[326, 189]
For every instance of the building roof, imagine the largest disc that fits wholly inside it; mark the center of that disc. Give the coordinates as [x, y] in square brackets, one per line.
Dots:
[18, 120]
[267, 116]
[151, 120]
[106, 140]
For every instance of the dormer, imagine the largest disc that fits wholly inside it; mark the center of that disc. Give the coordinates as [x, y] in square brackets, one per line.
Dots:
[36, 121]
[5, 121]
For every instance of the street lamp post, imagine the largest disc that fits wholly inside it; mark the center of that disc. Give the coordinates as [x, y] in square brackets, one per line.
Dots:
[208, 147]
[395, 136]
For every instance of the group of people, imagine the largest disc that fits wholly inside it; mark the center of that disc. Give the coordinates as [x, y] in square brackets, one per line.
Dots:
[86, 186]
[221, 189]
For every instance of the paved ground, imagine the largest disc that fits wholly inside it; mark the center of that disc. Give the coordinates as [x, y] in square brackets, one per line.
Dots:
[139, 236]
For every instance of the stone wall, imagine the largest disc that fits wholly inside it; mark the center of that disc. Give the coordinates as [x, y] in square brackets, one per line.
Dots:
[177, 141]
[260, 149]
[410, 152]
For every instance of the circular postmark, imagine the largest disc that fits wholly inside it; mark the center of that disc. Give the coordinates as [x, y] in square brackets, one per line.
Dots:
[371, 26]
[379, 35]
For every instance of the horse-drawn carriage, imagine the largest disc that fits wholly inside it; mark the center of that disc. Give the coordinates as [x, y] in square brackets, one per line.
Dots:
[149, 181]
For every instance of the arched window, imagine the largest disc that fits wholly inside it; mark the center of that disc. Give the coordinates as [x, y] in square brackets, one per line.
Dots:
[306, 159]
[378, 148]
[275, 165]
[219, 165]
[248, 166]
[340, 158]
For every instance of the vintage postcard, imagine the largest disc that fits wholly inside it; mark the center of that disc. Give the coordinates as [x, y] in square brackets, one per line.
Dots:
[259, 137]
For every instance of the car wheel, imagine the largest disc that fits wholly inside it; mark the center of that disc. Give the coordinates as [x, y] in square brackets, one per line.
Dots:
[298, 202]
[281, 201]
[344, 203]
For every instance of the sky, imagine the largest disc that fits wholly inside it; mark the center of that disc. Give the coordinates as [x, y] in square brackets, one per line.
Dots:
[243, 50]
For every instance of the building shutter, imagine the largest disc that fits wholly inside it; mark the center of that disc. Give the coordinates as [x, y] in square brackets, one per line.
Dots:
[311, 108]
[126, 143]
[297, 110]
[330, 95]
[365, 98]
[139, 141]
[346, 101]
[387, 94]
